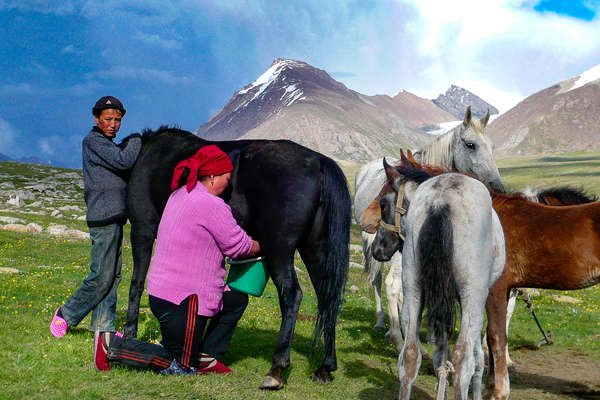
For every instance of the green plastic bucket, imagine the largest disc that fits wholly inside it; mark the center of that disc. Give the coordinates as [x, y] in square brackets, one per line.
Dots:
[247, 275]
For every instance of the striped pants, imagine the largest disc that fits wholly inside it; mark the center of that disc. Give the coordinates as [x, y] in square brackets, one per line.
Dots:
[183, 334]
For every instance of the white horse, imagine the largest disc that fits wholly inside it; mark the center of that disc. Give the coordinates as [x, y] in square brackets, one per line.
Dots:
[465, 148]
[453, 252]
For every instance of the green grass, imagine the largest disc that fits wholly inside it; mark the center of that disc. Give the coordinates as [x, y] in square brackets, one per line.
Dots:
[36, 365]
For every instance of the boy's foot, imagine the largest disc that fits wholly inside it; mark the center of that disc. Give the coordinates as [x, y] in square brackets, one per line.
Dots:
[58, 326]
[100, 350]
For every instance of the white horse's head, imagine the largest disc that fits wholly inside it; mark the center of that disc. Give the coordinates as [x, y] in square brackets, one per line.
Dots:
[466, 149]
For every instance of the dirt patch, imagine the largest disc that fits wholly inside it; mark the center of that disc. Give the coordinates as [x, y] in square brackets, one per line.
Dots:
[553, 373]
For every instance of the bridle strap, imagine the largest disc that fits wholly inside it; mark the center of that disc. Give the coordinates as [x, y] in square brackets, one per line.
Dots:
[399, 212]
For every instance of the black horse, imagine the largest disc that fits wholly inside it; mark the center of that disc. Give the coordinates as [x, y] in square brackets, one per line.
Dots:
[284, 195]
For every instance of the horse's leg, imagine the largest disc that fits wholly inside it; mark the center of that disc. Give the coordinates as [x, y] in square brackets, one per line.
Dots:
[409, 360]
[512, 302]
[142, 240]
[373, 268]
[280, 263]
[496, 306]
[393, 291]
[467, 356]
[379, 314]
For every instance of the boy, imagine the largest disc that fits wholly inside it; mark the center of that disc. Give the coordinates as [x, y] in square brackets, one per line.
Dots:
[105, 192]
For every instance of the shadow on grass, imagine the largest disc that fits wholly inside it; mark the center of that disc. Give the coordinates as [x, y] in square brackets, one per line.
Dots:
[567, 159]
[550, 384]
[384, 380]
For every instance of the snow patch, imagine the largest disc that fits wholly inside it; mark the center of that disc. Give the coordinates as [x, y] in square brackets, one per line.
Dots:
[444, 127]
[591, 75]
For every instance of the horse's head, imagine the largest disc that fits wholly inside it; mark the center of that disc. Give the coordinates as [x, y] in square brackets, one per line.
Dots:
[472, 150]
[394, 200]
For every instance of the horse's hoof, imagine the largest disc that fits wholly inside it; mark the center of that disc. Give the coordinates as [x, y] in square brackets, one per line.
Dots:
[379, 328]
[512, 368]
[322, 375]
[271, 383]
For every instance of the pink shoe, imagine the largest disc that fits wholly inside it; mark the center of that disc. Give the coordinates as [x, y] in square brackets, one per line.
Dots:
[58, 326]
[218, 368]
[100, 358]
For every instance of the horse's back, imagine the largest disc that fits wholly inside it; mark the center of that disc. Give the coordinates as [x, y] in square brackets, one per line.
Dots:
[476, 230]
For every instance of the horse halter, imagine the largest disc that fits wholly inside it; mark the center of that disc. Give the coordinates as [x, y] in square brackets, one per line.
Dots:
[398, 211]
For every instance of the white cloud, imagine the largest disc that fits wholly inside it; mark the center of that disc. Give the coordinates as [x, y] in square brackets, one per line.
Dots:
[156, 40]
[70, 49]
[63, 7]
[144, 74]
[8, 135]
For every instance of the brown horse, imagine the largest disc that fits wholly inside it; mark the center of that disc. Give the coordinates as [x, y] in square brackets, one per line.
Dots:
[546, 247]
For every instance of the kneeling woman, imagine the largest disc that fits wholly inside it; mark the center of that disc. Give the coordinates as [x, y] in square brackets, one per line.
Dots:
[186, 278]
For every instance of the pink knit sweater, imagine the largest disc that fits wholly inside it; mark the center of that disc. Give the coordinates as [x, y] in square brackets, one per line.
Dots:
[196, 231]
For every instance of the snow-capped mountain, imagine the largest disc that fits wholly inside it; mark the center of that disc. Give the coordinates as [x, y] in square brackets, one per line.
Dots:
[456, 100]
[562, 117]
[294, 100]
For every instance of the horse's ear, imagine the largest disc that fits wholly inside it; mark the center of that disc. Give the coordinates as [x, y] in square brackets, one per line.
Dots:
[402, 156]
[392, 174]
[412, 160]
[486, 118]
[468, 116]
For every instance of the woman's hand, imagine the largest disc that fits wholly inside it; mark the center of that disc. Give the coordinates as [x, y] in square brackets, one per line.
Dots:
[255, 249]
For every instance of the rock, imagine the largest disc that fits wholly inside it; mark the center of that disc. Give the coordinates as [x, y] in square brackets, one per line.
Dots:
[15, 200]
[356, 247]
[353, 289]
[356, 265]
[566, 299]
[70, 208]
[56, 214]
[7, 185]
[19, 228]
[36, 204]
[33, 227]
[81, 218]
[63, 231]
[11, 220]
[8, 270]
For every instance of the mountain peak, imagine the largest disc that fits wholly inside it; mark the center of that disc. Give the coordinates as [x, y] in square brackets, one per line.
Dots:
[456, 100]
[285, 83]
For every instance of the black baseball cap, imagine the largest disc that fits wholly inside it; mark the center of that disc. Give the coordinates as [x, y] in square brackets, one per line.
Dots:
[107, 102]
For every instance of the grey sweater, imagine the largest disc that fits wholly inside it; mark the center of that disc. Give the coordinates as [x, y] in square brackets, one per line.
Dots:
[104, 168]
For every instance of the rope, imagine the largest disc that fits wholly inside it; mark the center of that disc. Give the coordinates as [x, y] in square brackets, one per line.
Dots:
[442, 371]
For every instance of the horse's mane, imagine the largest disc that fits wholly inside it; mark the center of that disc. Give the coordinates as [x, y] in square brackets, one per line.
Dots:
[149, 133]
[439, 151]
[566, 195]
[414, 171]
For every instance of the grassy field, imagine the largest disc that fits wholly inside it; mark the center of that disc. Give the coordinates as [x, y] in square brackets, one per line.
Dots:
[36, 365]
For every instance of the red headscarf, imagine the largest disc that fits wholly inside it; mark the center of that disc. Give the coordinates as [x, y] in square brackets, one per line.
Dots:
[209, 160]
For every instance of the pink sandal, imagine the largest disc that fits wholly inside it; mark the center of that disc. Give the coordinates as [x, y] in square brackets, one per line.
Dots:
[58, 326]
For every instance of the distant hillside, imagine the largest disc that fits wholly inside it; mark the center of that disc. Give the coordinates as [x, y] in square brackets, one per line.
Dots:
[30, 160]
[563, 117]
[294, 100]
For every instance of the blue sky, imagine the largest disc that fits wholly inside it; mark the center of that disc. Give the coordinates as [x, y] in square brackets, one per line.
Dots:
[179, 62]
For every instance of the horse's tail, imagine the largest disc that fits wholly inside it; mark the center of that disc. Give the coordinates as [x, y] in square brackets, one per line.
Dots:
[435, 251]
[336, 204]
[371, 265]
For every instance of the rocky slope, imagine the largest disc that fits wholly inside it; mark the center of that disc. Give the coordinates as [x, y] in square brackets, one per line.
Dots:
[563, 117]
[456, 100]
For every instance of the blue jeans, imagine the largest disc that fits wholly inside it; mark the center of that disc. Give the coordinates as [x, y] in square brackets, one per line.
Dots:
[98, 291]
